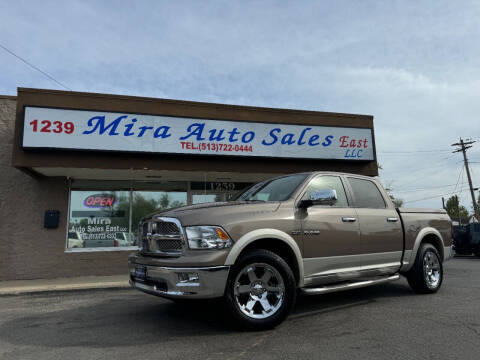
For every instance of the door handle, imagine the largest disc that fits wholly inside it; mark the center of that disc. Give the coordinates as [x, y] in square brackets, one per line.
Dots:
[392, 219]
[348, 219]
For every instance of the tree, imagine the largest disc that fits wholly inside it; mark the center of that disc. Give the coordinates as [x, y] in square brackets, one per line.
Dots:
[142, 207]
[396, 201]
[454, 209]
[164, 201]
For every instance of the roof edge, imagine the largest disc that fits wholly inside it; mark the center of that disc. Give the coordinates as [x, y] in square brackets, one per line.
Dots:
[190, 103]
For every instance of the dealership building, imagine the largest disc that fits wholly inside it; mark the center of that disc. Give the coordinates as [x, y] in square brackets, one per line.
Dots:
[79, 170]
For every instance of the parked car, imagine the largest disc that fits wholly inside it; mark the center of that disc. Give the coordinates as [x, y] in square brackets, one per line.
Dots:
[466, 239]
[122, 239]
[75, 240]
[96, 240]
[317, 232]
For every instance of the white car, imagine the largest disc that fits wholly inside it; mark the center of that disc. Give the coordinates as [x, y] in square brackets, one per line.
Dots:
[122, 239]
[75, 240]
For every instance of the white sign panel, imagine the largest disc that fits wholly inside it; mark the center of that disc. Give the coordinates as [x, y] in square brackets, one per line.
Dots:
[98, 130]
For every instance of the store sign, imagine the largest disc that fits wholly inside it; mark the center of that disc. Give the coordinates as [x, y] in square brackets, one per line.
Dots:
[97, 130]
[99, 201]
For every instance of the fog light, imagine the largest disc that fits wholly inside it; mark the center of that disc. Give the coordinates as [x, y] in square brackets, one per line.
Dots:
[188, 277]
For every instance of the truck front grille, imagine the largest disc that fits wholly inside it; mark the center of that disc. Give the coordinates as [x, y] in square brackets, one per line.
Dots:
[169, 245]
[162, 236]
[165, 228]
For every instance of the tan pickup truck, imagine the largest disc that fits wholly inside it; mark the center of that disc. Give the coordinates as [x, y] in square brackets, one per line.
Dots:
[312, 232]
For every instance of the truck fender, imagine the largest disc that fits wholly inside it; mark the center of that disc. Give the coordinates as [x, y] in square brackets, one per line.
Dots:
[254, 235]
[410, 255]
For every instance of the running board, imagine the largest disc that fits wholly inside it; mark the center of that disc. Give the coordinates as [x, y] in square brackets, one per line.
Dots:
[348, 286]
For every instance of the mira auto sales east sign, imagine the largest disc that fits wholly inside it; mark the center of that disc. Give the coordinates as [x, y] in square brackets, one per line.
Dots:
[97, 130]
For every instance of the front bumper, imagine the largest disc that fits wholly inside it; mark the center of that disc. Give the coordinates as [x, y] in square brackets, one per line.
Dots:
[170, 282]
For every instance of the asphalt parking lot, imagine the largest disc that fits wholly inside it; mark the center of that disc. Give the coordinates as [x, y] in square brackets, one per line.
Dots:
[383, 322]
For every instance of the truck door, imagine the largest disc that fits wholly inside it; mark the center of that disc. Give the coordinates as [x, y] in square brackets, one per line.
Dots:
[381, 234]
[331, 236]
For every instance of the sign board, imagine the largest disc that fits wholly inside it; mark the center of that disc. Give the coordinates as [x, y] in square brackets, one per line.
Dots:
[98, 130]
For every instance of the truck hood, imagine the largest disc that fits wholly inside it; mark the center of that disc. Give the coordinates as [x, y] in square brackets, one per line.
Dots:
[218, 213]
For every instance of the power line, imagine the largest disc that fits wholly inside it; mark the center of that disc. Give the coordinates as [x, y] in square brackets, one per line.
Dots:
[413, 151]
[439, 164]
[423, 189]
[436, 196]
[410, 154]
[34, 67]
[458, 179]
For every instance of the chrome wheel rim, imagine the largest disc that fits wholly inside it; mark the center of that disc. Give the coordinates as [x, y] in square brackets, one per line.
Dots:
[259, 290]
[431, 269]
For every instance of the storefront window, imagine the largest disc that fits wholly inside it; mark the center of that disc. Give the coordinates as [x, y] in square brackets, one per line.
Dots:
[99, 219]
[108, 216]
[147, 202]
[204, 192]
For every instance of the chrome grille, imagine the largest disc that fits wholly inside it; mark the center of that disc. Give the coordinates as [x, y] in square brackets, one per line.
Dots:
[163, 237]
[165, 228]
[169, 245]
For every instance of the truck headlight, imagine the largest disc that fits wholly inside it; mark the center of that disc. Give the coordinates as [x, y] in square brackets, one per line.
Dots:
[207, 237]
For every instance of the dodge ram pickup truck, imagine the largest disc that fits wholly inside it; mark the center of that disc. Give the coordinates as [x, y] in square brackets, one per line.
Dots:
[313, 232]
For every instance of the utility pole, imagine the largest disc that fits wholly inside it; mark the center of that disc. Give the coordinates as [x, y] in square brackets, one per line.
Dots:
[464, 145]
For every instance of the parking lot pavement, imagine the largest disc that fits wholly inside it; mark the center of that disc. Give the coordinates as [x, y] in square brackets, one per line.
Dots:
[382, 322]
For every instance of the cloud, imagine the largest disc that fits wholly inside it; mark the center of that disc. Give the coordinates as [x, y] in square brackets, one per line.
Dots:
[413, 65]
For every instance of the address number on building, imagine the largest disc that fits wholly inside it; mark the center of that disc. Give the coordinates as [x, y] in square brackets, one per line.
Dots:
[222, 186]
[47, 126]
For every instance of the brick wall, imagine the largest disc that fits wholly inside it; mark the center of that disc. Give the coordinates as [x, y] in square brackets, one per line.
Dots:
[27, 250]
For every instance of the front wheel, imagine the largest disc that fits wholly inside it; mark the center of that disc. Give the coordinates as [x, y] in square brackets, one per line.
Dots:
[261, 290]
[426, 275]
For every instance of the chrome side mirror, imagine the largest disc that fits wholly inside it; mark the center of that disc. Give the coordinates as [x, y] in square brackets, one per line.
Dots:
[320, 197]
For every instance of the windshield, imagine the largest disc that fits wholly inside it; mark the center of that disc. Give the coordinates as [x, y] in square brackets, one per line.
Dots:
[279, 189]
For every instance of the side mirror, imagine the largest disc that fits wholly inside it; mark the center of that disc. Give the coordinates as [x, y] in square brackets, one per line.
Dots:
[320, 197]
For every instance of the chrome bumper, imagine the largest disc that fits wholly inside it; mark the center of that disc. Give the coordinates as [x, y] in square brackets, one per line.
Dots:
[170, 282]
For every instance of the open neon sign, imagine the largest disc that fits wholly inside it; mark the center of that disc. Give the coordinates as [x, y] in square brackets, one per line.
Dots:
[99, 201]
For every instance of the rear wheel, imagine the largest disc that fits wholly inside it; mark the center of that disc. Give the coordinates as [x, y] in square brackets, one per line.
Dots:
[426, 275]
[261, 290]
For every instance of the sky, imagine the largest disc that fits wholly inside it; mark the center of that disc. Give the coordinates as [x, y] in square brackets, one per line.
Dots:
[413, 65]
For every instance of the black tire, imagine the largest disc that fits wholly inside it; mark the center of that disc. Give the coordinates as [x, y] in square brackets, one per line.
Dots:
[272, 260]
[417, 277]
[477, 251]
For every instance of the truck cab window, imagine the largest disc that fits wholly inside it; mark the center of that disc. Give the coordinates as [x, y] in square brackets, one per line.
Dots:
[328, 182]
[278, 189]
[366, 194]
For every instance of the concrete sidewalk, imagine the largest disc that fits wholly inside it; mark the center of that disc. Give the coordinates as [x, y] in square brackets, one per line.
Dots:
[17, 287]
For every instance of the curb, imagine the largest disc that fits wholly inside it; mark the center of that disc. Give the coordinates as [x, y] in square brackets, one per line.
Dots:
[26, 290]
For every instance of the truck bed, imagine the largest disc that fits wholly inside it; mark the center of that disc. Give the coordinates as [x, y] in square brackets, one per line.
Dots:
[419, 222]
